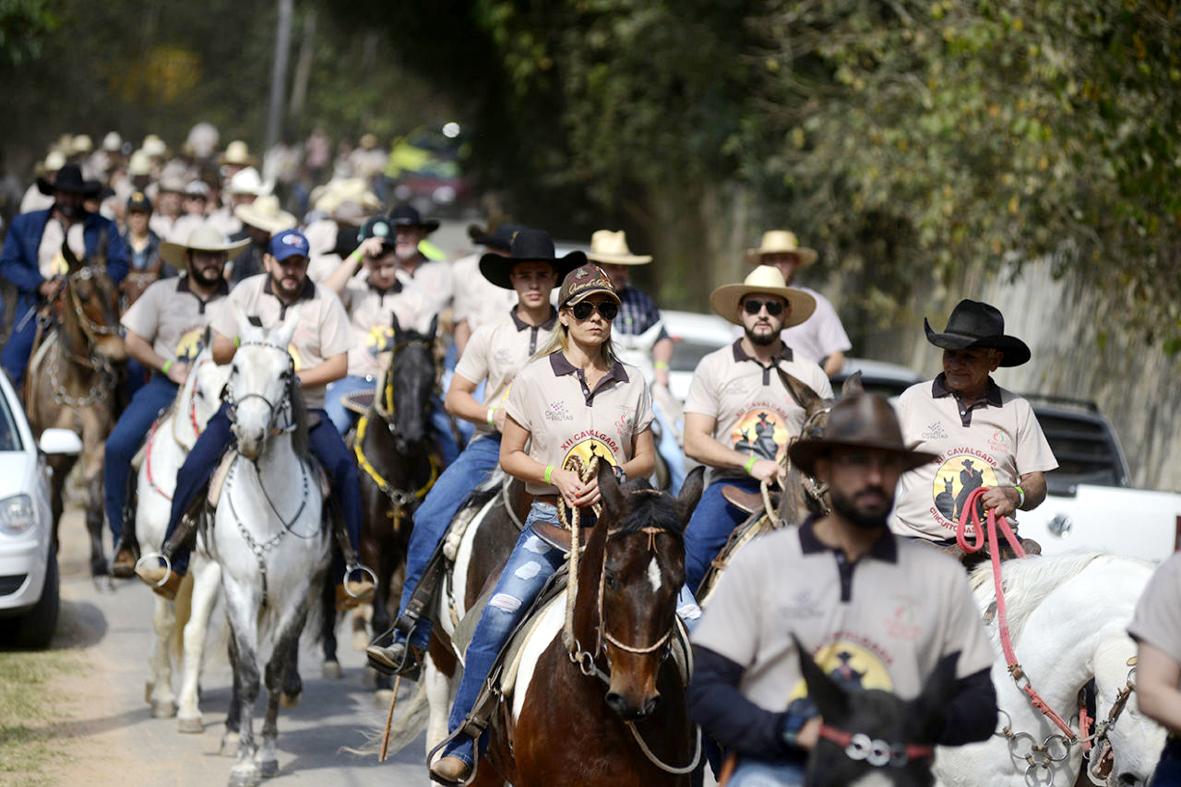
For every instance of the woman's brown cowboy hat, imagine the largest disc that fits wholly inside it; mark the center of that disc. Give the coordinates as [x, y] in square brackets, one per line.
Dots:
[69, 179]
[976, 324]
[859, 422]
[527, 245]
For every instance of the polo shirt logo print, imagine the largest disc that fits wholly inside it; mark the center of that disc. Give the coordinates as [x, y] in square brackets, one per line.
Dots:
[935, 431]
[961, 470]
[580, 449]
[191, 343]
[557, 412]
[761, 431]
[854, 667]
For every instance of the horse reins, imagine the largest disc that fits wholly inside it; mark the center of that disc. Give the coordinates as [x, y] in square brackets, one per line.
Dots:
[1043, 755]
[873, 751]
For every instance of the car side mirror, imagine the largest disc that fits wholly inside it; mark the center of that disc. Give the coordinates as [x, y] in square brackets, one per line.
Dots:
[60, 441]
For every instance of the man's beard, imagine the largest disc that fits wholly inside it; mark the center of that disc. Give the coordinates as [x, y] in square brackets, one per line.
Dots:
[761, 339]
[847, 508]
[277, 284]
[70, 212]
[207, 275]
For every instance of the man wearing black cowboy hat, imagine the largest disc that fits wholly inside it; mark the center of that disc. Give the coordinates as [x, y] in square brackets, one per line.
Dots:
[415, 271]
[32, 258]
[877, 612]
[963, 415]
[476, 300]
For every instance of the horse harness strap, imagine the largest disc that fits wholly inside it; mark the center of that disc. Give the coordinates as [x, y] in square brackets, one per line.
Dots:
[875, 752]
[400, 498]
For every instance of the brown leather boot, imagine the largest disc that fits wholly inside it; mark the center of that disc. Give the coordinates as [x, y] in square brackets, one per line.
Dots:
[451, 770]
[123, 564]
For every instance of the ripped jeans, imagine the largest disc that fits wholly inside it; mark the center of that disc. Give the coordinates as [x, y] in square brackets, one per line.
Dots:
[531, 564]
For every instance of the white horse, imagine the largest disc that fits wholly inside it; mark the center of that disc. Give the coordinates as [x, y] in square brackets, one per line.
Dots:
[1068, 616]
[268, 535]
[169, 442]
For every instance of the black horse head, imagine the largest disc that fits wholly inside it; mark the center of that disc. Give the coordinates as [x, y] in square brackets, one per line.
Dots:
[410, 383]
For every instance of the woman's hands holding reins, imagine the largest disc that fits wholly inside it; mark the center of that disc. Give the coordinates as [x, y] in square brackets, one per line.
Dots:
[574, 490]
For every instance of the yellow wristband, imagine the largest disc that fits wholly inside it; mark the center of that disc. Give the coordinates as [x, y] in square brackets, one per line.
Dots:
[660, 365]
[750, 464]
[549, 472]
[492, 417]
[167, 365]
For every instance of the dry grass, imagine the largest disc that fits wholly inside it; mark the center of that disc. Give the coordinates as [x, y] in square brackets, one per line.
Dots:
[28, 706]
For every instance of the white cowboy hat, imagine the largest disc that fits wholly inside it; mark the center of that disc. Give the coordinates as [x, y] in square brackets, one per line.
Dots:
[247, 181]
[112, 142]
[204, 237]
[611, 247]
[81, 145]
[765, 280]
[266, 214]
[154, 146]
[781, 242]
[237, 153]
[54, 161]
[139, 164]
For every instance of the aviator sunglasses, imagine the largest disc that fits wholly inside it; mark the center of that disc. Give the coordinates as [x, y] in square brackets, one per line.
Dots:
[753, 306]
[583, 311]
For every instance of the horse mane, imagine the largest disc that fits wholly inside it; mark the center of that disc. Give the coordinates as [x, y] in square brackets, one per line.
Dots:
[649, 508]
[1027, 583]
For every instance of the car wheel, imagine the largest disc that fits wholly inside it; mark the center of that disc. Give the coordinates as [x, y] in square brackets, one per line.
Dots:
[34, 629]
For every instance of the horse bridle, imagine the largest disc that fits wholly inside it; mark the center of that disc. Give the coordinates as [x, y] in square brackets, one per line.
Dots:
[91, 329]
[272, 408]
[874, 751]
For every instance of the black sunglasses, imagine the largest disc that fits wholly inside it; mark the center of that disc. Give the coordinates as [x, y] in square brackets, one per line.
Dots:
[753, 306]
[583, 311]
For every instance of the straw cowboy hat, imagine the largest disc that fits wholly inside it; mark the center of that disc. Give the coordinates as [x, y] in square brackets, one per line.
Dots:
[764, 280]
[266, 214]
[154, 146]
[976, 324]
[611, 247]
[237, 153]
[781, 242]
[247, 182]
[859, 422]
[204, 237]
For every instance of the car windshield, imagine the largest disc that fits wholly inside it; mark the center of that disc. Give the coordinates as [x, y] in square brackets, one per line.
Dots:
[9, 436]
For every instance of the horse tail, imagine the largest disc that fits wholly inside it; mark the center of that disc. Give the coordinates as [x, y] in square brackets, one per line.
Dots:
[184, 611]
[410, 721]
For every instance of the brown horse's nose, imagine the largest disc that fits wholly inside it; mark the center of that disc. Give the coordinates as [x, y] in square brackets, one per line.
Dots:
[629, 711]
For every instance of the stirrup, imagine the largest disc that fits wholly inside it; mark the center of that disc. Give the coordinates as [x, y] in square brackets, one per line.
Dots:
[344, 580]
[167, 566]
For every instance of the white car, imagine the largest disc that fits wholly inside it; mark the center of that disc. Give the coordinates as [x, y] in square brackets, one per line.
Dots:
[694, 336]
[29, 597]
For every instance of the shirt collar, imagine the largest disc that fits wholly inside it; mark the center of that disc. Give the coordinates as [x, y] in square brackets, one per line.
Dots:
[785, 354]
[992, 393]
[884, 549]
[393, 289]
[562, 367]
[307, 293]
[182, 285]
[548, 325]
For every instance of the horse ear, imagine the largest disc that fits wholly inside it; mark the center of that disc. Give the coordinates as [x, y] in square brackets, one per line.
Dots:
[831, 700]
[430, 334]
[246, 329]
[72, 262]
[690, 493]
[283, 333]
[852, 385]
[938, 691]
[803, 394]
[614, 500]
[395, 325]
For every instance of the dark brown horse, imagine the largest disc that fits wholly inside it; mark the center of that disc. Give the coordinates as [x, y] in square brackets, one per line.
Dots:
[610, 709]
[398, 466]
[71, 379]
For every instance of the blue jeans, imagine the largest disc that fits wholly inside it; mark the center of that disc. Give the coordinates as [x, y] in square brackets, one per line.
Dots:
[325, 444]
[434, 516]
[531, 564]
[125, 440]
[753, 773]
[670, 452]
[1168, 770]
[15, 356]
[709, 527]
[340, 417]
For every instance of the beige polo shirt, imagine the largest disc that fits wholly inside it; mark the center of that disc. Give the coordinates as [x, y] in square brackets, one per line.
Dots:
[992, 443]
[323, 330]
[477, 300]
[883, 622]
[370, 312]
[753, 410]
[432, 280]
[1158, 612]
[173, 318]
[498, 351]
[50, 260]
[566, 419]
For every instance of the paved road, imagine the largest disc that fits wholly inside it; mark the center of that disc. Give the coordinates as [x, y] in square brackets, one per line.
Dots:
[117, 742]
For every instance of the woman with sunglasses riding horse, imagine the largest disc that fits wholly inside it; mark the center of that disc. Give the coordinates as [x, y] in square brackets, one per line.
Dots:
[494, 354]
[572, 404]
[739, 415]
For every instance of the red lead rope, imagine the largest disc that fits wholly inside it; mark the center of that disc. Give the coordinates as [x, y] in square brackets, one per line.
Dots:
[970, 516]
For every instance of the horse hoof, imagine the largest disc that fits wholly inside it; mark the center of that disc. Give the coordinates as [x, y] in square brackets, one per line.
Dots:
[192, 726]
[149, 687]
[360, 640]
[288, 700]
[229, 744]
[246, 777]
[382, 697]
[104, 584]
[331, 670]
[268, 768]
[163, 709]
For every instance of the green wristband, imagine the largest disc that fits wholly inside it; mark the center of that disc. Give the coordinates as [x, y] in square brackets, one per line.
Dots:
[1020, 495]
[750, 464]
[167, 365]
[549, 472]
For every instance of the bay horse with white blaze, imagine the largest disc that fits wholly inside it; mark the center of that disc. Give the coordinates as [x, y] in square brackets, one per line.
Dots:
[71, 380]
[610, 710]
